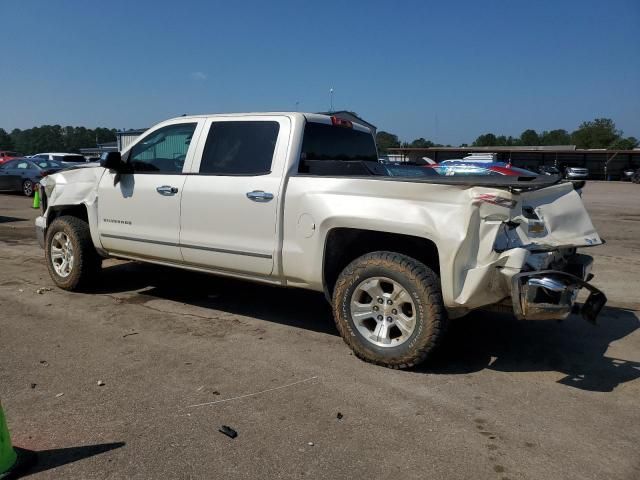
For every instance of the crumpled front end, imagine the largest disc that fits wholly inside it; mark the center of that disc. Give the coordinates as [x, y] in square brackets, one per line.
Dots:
[68, 188]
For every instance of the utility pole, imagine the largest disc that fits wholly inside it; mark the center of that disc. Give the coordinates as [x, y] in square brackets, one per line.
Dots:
[331, 100]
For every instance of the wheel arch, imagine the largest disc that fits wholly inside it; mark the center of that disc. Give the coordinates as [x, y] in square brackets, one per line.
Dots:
[343, 245]
[83, 212]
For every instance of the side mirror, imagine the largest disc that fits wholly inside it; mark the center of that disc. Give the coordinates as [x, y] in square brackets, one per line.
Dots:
[112, 161]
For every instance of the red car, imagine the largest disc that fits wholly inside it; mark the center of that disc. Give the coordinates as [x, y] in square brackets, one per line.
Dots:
[6, 155]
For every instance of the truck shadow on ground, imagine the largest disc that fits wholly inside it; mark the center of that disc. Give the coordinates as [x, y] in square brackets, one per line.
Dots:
[287, 306]
[480, 340]
[572, 347]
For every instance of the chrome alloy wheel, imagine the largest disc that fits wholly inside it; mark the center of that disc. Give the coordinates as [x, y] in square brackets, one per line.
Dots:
[27, 188]
[383, 312]
[62, 254]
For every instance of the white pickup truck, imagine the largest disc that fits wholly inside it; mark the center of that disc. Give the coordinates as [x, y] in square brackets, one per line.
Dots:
[300, 200]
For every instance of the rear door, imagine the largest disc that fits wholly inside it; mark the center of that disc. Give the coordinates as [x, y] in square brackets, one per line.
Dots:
[139, 212]
[230, 202]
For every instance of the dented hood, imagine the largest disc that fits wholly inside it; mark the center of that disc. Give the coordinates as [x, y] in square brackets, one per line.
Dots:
[73, 186]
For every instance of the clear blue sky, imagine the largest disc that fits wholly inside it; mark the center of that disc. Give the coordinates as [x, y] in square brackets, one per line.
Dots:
[447, 71]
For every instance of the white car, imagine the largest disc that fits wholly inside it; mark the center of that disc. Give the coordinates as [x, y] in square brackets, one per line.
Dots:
[66, 158]
[299, 200]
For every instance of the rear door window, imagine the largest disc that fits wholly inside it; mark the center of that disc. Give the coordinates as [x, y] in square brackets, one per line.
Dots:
[72, 158]
[240, 148]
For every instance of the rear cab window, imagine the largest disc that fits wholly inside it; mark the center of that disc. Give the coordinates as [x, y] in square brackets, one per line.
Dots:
[339, 149]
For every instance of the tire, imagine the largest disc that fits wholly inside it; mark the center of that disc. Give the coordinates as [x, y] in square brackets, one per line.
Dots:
[83, 262]
[27, 188]
[421, 303]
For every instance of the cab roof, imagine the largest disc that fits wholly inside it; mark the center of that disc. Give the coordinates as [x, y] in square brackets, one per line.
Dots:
[310, 117]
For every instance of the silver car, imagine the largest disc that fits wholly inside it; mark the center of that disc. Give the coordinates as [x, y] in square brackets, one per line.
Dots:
[576, 173]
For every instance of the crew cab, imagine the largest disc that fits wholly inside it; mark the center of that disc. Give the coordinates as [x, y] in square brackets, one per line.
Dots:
[300, 200]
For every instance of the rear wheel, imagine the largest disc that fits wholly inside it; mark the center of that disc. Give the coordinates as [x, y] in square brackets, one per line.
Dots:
[72, 260]
[388, 308]
[27, 188]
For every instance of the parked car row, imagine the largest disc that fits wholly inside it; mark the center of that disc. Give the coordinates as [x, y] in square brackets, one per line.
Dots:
[6, 155]
[23, 174]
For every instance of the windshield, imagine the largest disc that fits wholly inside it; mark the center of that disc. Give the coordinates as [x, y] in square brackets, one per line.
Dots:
[329, 142]
[45, 164]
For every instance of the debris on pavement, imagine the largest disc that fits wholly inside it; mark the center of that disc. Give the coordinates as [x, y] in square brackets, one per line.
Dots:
[41, 290]
[129, 334]
[34, 385]
[59, 395]
[255, 393]
[310, 444]
[44, 363]
[339, 416]
[215, 392]
[101, 383]
[228, 431]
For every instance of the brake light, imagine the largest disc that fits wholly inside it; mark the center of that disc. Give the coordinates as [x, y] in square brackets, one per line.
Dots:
[340, 122]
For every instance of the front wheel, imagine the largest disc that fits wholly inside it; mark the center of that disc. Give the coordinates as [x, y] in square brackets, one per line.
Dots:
[71, 258]
[388, 308]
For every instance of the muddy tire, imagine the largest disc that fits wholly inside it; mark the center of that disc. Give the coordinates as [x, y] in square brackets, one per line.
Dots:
[388, 308]
[71, 258]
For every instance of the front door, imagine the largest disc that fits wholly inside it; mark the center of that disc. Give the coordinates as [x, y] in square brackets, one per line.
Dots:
[7, 179]
[139, 212]
[230, 202]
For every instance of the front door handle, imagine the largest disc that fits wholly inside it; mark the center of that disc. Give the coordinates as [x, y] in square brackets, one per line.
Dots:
[167, 190]
[260, 196]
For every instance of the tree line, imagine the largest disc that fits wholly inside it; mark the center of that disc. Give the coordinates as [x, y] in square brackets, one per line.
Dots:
[54, 138]
[598, 133]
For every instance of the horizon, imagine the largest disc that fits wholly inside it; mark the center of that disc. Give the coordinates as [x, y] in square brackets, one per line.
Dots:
[476, 69]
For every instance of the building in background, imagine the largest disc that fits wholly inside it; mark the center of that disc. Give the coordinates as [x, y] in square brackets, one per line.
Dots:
[602, 164]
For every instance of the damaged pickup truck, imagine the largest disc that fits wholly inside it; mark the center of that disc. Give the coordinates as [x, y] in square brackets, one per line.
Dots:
[300, 200]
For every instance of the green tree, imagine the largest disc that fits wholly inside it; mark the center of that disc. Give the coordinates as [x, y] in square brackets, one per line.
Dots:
[555, 137]
[421, 143]
[529, 138]
[628, 143]
[386, 140]
[599, 133]
[6, 142]
[486, 140]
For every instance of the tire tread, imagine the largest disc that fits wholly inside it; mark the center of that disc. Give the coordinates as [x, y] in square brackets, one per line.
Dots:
[415, 271]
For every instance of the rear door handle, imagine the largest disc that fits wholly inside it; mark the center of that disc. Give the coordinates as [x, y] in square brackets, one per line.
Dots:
[167, 190]
[260, 196]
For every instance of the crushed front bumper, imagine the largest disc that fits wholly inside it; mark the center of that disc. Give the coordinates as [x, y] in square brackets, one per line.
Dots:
[551, 294]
